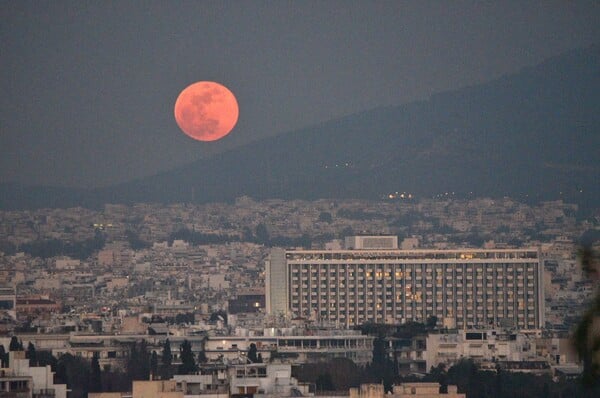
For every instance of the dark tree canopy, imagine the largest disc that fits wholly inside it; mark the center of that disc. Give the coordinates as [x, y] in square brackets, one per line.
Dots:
[586, 339]
[202, 357]
[252, 353]
[31, 354]
[15, 344]
[3, 357]
[262, 234]
[75, 372]
[324, 382]
[325, 216]
[138, 366]
[95, 374]
[188, 363]
[154, 364]
[166, 360]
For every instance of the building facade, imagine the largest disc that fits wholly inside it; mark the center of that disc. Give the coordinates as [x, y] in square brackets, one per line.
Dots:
[20, 380]
[461, 288]
[296, 348]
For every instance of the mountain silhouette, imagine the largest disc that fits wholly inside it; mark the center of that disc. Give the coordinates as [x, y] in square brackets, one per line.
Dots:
[533, 135]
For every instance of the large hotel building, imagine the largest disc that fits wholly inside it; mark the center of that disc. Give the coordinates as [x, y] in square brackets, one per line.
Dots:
[373, 281]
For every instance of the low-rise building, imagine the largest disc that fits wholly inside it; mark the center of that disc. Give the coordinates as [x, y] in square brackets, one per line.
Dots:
[295, 346]
[20, 380]
[489, 348]
[211, 382]
[425, 390]
[265, 381]
[37, 305]
[146, 389]
[406, 390]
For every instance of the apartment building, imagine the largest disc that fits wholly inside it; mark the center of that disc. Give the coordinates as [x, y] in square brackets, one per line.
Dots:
[294, 346]
[20, 380]
[463, 288]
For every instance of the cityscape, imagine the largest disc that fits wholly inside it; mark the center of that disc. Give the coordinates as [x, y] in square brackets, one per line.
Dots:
[493, 280]
[277, 199]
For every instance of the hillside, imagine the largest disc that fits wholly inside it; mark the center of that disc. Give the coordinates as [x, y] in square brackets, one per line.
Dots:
[533, 135]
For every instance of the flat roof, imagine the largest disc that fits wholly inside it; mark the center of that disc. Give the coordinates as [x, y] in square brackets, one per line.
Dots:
[467, 255]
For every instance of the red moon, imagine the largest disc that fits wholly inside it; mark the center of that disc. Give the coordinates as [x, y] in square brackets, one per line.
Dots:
[206, 111]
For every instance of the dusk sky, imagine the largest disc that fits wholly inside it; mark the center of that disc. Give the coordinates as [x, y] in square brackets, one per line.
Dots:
[88, 88]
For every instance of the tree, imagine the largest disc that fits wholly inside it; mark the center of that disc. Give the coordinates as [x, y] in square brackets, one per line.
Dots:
[95, 374]
[252, 351]
[439, 375]
[154, 364]
[343, 373]
[431, 322]
[166, 360]
[247, 235]
[325, 216]
[347, 231]
[31, 354]
[188, 364]
[134, 240]
[305, 241]
[382, 368]
[262, 234]
[188, 317]
[379, 352]
[410, 330]
[324, 382]
[202, 357]
[15, 344]
[138, 366]
[586, 341]
[45, 358]
[338, 373]
[75, 373]
[7, 247]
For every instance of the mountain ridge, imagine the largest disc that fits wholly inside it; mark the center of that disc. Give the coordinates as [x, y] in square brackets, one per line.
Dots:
[531, 135]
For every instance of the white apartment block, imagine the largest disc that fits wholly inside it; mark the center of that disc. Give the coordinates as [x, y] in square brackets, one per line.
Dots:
[481, 346]
[316, 346]
[23, 381]
[464, 288]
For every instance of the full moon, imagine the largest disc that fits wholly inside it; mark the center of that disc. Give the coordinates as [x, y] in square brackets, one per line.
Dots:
[206, 111]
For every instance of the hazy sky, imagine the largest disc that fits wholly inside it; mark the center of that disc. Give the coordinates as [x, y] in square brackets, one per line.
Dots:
[88, 87]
